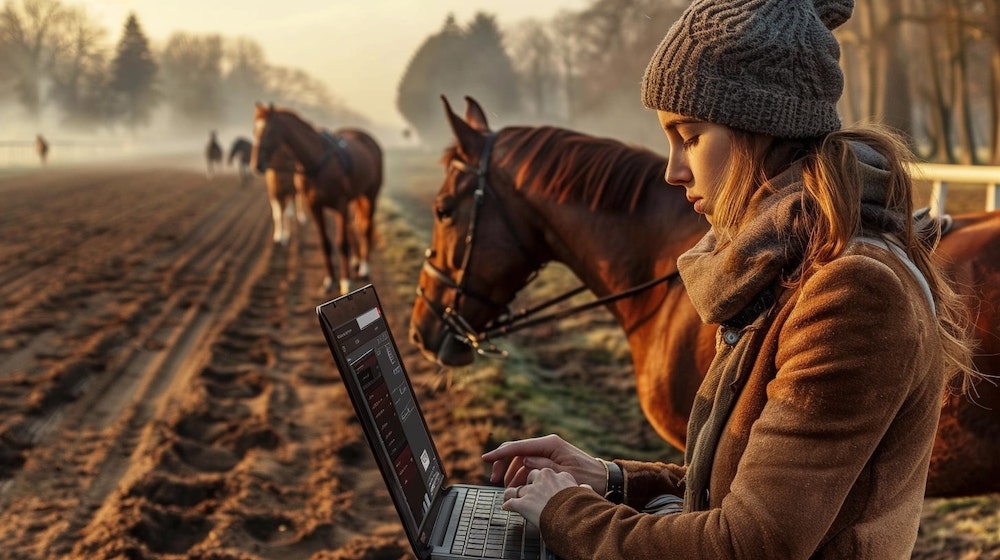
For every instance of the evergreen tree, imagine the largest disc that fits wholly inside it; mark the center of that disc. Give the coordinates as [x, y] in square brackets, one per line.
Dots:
[456, 62]
[488, 73]
[426, 78]
[133, 73]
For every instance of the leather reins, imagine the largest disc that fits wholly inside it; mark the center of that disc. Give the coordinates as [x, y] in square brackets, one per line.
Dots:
[506, 323]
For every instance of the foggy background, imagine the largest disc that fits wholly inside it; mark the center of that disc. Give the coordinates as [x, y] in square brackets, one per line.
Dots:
[930, 68]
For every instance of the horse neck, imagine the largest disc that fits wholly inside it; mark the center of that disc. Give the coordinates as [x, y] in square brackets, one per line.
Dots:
[305, 143]
[612, 251]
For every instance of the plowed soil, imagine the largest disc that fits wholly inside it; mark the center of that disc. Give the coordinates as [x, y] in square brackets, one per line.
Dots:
[165, 391]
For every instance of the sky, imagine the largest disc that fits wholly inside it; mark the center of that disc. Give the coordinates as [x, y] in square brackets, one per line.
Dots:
[358, 48]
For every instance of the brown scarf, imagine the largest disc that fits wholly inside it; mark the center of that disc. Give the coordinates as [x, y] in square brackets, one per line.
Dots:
[721, 282]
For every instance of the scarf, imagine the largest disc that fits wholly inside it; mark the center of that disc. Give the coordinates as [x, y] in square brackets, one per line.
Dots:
[723, 281]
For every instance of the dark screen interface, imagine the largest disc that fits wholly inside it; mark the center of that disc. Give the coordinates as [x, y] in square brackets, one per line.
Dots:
[378, 372]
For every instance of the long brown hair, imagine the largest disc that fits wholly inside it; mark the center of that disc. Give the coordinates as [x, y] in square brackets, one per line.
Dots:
[832, 191]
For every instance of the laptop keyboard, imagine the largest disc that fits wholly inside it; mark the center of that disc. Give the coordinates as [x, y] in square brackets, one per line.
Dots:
[486, 531]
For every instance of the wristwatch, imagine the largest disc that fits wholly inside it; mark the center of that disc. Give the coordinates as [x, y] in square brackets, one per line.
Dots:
[615, 488]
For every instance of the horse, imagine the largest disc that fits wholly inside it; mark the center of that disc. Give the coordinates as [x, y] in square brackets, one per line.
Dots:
[242, 148]
[213, 154]
[516, 199]
[42, 148]
[341, 171]
[281, 193]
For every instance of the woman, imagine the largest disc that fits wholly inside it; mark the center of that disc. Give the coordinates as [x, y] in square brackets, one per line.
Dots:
[811, 434]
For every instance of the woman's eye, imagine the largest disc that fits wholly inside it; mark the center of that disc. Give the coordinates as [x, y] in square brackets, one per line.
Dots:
[690, 142]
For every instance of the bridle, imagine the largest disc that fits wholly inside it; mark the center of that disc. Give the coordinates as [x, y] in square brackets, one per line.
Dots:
[506, 323]
[329, 142]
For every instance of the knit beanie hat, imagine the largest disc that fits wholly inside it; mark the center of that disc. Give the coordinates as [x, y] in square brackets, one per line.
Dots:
[767, 66]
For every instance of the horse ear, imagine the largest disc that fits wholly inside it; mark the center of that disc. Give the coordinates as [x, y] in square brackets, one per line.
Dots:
[469, 141]
[475, 116]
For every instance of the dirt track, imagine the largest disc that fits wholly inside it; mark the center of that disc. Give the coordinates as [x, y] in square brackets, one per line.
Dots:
[165, 391]
[164, 387]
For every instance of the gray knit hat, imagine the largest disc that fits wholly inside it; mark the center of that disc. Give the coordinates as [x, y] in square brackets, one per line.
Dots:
[767, 66]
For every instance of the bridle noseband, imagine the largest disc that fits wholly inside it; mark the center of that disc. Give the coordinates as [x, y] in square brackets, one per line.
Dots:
[505, 323]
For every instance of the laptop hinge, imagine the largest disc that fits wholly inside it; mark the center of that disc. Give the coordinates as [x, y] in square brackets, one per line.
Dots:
[446, 503]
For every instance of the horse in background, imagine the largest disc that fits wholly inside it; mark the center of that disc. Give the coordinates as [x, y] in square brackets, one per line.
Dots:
[213, 155]
[515, 199]
[282, 194]
[241, 148]
[42, 148]
[341, 171]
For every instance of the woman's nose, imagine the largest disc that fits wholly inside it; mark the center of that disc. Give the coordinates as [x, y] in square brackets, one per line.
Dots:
[677, 173]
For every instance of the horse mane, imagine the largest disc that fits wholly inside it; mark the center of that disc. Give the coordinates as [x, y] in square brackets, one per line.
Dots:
[570, 166]
[262, 112]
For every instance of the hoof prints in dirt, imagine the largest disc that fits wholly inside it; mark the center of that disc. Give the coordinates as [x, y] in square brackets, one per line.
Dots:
[230, 468]
[231, 414]
[168, 531]
[186, 493]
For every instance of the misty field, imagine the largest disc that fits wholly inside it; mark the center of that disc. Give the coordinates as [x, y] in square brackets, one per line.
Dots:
[167, 392]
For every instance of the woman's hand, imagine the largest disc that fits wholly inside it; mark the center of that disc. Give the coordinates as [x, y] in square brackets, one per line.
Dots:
[514, 460]
[534, 470]
[529, 499]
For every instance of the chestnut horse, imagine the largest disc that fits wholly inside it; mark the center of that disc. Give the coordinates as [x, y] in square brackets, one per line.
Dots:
[515, 199]
[340, 170]
[281, 194]
[213, 155]
[240, 151]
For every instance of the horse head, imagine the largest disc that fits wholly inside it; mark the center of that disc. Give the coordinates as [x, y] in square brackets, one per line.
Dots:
[479, 257]
[266, 141]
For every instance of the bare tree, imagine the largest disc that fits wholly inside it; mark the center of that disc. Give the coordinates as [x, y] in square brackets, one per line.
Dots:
[79, 73]
[32, 34]
[606, 48]
[192, 79]
[983, 23]
[534, 56]
[246, 80]
[311, 97]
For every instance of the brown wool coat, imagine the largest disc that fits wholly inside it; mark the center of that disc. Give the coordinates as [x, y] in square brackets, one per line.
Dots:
[826, 448]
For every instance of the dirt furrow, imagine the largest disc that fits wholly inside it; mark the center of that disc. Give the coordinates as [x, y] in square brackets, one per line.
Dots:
[68, 368]
[121, 402]
[229, 426]
[90, 214]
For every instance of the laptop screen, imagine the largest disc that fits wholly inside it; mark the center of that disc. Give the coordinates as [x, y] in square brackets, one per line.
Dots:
[383, 393]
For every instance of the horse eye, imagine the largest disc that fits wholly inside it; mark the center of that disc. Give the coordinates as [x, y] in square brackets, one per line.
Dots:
[443, 208]
[442, 214]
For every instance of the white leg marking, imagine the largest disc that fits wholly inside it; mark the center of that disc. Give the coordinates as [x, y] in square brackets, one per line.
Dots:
[278, 225]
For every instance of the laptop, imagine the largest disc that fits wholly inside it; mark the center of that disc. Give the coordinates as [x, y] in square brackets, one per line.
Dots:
[441, 521]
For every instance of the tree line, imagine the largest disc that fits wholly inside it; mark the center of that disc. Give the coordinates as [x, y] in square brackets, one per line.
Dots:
[54, 55]
[930, 68]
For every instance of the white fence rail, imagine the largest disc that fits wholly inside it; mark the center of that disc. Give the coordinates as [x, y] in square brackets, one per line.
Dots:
[940, 175]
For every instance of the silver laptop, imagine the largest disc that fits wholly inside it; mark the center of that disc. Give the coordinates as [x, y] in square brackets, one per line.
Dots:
[440, 520]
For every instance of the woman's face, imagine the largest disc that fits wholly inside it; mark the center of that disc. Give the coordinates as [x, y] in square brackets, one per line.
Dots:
[699, 152]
